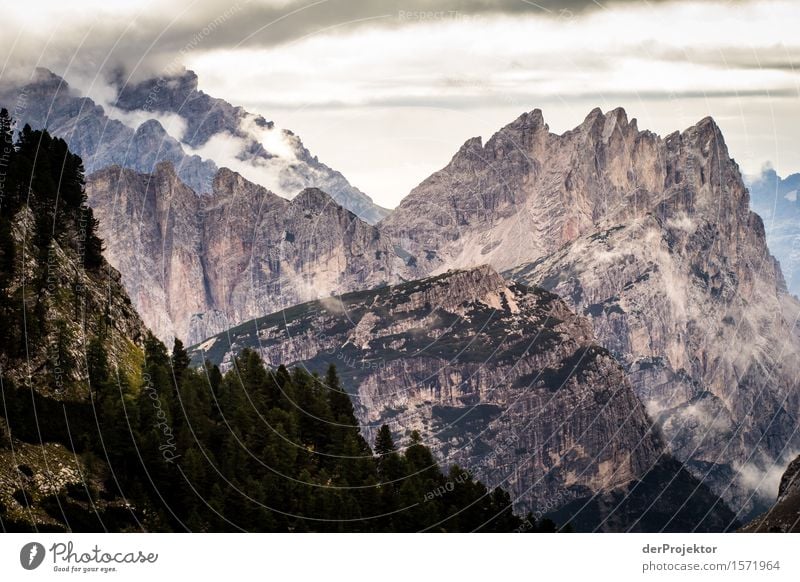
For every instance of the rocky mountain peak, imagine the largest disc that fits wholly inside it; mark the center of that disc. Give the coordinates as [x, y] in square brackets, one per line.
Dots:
[456, 288]
[555, 187]
[45, 77]
[314, 199]
[528, 121]
[472, 145]
[230, 184]
[161, 93]
[601, 128]
[151, 127]
[653, 239]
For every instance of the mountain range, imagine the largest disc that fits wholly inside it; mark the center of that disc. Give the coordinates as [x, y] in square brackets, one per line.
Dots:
[169, 119]
[653, 240]
[592, 320]
[501, 379]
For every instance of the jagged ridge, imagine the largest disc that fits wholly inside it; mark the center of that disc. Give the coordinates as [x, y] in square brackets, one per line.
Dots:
[195, 265]
[500, 378]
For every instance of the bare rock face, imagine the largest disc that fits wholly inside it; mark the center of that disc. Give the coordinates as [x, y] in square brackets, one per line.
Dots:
[526, 192]
[500, 378]
[652, 239]
[194, 265]
[688, 297]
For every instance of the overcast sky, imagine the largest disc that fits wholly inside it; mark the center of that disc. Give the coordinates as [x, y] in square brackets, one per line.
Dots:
[386, 91]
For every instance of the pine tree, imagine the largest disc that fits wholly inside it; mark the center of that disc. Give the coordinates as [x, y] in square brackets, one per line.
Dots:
[9, 200]
[93, 253]
[180, 360]
[97, 366]
[384, 443]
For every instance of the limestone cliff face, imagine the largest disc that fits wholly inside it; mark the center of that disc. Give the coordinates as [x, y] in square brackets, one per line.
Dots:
[653, 240]
[527, 191]
[689, 298]
[501, 378]
[195, 265]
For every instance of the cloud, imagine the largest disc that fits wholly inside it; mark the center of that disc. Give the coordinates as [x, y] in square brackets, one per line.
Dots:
[316, 65]
[499, 58]
[144, 36]
[762, 480]
[228, 151]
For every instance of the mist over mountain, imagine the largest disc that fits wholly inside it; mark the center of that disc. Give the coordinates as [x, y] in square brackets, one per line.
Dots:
[244, 142]
[784, 515]
[169, 119]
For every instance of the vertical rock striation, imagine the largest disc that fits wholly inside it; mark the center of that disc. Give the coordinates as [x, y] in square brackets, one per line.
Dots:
[194, 265]
[652, 238]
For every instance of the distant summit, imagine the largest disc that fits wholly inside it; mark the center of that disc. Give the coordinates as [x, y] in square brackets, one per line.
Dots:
[169, 119]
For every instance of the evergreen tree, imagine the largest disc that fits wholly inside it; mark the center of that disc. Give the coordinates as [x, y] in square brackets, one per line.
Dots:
[384, 443]
[9, 197]
[93, 254]
[180, 359]
[97, 366]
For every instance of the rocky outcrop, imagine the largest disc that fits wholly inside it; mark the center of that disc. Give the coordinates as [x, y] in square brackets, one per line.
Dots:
[652, 239]
[78, 305]
[195, 265]
[500, 378]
